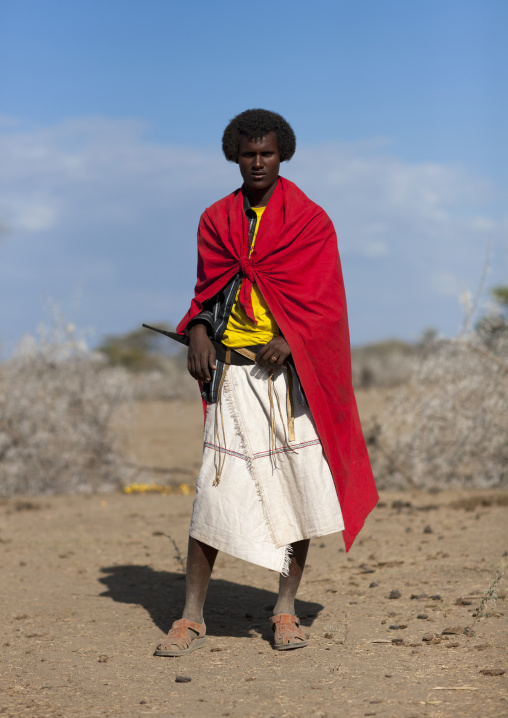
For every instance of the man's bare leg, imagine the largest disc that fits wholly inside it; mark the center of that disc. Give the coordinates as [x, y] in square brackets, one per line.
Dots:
[200, 561]
[288, 585]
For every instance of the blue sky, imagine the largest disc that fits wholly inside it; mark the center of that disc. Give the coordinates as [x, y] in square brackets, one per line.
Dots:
[111, 115]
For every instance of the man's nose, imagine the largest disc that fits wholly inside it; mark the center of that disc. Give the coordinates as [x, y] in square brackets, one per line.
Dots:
[258, 160]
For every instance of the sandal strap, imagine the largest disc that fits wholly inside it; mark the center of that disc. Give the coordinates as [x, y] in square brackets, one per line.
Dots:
[284, 619]
[184, 623]
[178, 636]
[285, 626]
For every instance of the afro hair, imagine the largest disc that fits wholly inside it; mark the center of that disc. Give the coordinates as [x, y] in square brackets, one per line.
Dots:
[256, 124]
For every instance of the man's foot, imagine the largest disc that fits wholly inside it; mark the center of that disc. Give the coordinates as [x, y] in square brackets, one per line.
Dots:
[287, 632]
[184, 637]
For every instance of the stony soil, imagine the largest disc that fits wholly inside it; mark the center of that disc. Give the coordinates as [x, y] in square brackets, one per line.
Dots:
[90, 583]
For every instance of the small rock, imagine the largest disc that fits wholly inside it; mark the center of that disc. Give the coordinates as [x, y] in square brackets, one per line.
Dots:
[398, 626]
[366, 569]
[431, 638]
[373, 584]
[453, 631]
[417, 596]
[395, 593]
[397, 641]
[423, 616]
[468, 631]
[328, 634]
[216, 650]
[428, 529]
[492, 671]
[250, 678]
[103, 658]
[452, 644]
[463, 602]
[183, 679]
[142, 703]
[436, 597]
[482, 647]
[401, 505]
[388, 675]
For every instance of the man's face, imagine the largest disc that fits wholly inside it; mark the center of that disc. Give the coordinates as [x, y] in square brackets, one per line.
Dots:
[259, 162]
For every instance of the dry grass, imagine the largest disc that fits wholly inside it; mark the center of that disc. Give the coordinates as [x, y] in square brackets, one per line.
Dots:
[56, 400]
[447, 425]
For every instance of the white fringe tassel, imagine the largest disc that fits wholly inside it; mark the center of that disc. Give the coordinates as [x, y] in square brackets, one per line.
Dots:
[288, 554]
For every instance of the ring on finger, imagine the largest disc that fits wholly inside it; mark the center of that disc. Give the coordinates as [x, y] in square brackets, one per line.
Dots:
[274, 358]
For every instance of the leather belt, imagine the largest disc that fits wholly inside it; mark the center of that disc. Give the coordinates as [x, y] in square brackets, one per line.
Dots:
[241, 356]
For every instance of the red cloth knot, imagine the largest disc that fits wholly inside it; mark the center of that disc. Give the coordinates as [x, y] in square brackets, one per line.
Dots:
[246, 268]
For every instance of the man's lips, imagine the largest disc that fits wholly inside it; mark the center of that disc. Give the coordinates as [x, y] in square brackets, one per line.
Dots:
[257, 176]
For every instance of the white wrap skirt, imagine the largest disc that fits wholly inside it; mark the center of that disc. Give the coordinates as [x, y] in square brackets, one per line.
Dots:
[260, 488]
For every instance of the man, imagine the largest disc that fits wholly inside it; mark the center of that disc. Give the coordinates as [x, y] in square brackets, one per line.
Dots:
[284, 458]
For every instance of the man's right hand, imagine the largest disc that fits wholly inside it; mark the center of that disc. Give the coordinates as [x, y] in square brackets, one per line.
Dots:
[201, 355]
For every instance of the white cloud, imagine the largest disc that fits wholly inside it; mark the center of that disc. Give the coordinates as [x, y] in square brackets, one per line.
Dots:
[445, 284]
[367, 193]
[375, 248]
[29, 214]
[106, 205]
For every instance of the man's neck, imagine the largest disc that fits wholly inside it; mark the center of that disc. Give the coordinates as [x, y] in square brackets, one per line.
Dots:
[260, 198]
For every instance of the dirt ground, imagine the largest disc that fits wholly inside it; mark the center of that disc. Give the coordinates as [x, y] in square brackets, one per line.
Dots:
[90, 583]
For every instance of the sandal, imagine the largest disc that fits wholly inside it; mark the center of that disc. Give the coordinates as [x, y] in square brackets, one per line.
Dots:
[287, 633]
[180, 636]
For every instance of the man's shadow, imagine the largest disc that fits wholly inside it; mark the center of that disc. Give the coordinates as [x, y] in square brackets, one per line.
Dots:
[232, 609]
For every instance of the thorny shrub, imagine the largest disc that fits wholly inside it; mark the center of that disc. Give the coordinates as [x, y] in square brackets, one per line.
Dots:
[448, 425]
[56, 400]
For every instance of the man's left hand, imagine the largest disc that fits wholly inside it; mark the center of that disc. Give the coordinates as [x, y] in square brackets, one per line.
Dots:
[273, 354]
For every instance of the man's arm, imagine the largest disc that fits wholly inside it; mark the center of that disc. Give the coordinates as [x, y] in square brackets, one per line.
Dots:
[201, 354]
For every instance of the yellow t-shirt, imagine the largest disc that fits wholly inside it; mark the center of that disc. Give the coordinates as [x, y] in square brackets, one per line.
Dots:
[242, 331]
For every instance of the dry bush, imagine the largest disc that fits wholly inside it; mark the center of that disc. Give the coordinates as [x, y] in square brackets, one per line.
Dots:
[383, 364]
[170, 381]
[448, 425]
[157, 365]
[56, 400]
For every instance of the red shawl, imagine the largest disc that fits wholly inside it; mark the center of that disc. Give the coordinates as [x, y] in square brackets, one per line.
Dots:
[296, 265]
